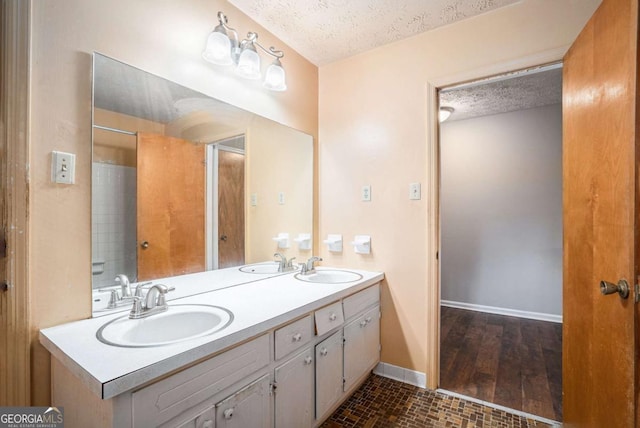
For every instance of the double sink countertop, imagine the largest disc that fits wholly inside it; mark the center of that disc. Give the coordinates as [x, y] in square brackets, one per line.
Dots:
[259, 302]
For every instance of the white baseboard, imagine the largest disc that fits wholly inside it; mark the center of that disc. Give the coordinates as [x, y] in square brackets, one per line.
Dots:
[503, 311]
[401, 374]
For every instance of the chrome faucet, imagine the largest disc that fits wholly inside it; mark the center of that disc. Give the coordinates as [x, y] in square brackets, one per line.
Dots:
[116, 300]
[154, 302]
[283, 264]
[125, 286]
[309, 267]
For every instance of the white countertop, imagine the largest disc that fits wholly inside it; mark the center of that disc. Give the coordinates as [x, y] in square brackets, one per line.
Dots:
[189, 285]
[257, 306]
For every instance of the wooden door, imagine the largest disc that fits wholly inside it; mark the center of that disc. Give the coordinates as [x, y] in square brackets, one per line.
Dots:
[170, 206]
[230, 209]
[600, 209]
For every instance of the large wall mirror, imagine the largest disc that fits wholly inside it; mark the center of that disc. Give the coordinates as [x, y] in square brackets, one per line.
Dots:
[183, 183]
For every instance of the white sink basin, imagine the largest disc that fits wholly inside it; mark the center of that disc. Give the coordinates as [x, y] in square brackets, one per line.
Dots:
[178, 323]
[330, 276]
[263, 268]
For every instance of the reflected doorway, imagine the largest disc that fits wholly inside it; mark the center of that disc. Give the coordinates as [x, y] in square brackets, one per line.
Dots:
[226, 203]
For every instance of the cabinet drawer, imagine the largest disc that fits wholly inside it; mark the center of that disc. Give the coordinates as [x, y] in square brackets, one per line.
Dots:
[329, 318]
[170, 397]
[358, 302]
[293, 336]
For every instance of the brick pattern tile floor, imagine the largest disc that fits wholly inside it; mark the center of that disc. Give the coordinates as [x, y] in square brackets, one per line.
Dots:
[382, 402]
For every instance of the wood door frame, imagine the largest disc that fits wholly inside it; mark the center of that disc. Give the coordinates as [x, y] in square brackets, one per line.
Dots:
[16, 332]
[433, 286]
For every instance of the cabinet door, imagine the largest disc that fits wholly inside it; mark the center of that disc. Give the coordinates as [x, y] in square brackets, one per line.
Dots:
[361, 346]
[249, 407]
[294, 393]
[176, 395]
[328, 373]
[206, 419]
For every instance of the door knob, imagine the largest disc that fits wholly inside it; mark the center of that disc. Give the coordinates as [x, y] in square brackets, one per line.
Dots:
[223, 237]
[144, 245]
[622, 288]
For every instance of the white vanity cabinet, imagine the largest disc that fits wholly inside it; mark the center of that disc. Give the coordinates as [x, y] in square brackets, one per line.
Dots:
[328, 373]
[294, 391]
[249, 407]
[361, 346]
[186, 396]
[292, 374]
[206, 419]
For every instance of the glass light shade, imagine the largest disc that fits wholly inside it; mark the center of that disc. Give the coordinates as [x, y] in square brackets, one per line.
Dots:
[274, 78]
[444, 113]
[218, 49]
[249, 63]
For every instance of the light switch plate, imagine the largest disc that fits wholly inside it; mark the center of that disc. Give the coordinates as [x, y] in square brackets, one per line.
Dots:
[281, 198]
[366, 193]
[63, 168]
[254, 199]
[414, 191]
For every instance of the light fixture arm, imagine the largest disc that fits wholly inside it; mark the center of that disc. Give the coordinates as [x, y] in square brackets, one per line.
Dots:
[222, 19]
[252, 38]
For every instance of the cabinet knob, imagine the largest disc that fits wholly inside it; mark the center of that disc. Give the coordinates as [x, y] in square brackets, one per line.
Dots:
[324, 351]
[333, 316]
[308, 360]
[297, 337]
[228, 414]
[368, 320]
[363, 323]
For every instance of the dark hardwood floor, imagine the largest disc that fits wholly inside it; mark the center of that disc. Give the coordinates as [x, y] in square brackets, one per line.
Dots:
[513, 362]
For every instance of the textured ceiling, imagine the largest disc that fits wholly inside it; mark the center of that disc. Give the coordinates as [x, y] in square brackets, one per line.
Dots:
[328, 30]
[518, 91]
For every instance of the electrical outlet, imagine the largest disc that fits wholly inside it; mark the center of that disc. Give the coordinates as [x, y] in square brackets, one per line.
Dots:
[281, 198]
[366, 193]
[414, 191]
[63, 168]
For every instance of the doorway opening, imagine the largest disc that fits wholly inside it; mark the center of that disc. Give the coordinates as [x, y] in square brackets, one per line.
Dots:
[225, 220]
[501, 240]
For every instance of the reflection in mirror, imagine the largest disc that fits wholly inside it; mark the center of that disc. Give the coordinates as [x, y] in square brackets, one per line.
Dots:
[184, 183]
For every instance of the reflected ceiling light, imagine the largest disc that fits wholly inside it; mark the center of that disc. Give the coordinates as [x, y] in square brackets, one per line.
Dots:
[444, 113]
[221, 49]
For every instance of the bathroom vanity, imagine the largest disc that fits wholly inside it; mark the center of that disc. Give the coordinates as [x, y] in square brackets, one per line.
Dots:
[295, 348]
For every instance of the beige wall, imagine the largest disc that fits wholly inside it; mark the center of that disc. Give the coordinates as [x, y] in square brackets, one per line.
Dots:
[288, 168]
[163, 37]
[373, 130]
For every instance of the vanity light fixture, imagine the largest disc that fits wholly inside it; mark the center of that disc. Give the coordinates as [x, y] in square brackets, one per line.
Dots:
[444, 113]
[225, 48]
